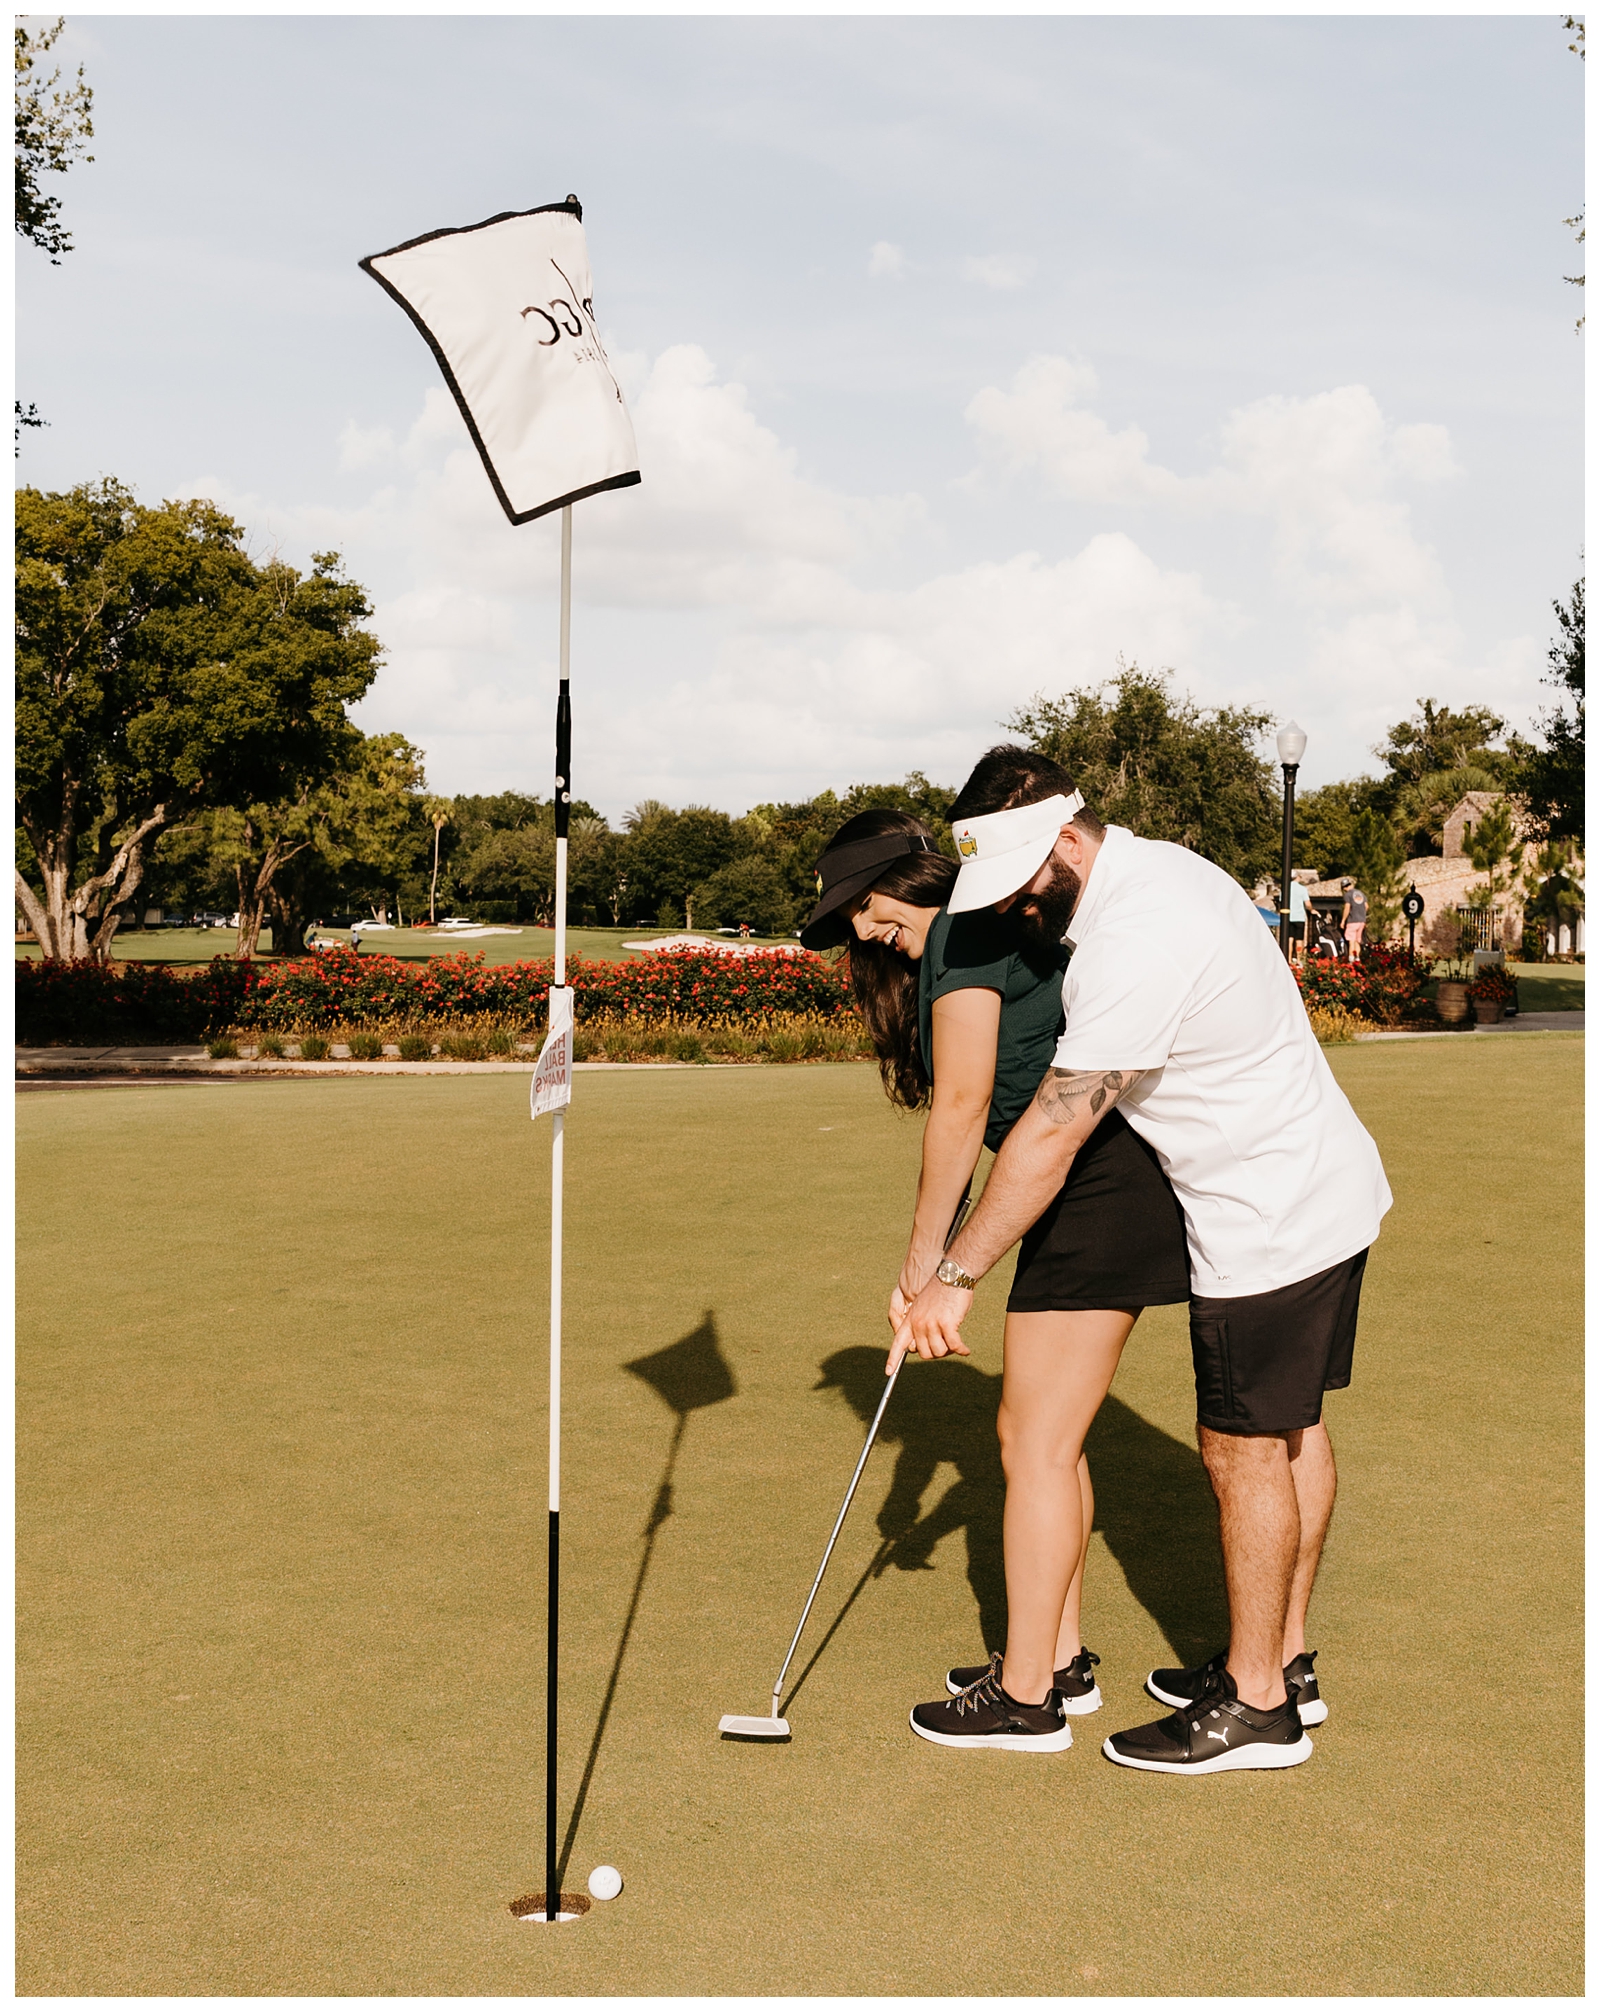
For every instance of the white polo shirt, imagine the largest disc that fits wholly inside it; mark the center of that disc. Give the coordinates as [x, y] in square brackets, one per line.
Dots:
[1173, 971]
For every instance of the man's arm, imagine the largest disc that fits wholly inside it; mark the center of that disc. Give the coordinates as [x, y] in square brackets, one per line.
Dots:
[1026, 1178]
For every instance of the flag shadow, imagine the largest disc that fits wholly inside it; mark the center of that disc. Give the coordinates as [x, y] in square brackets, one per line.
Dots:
[687, 1376]
[1153, 1504]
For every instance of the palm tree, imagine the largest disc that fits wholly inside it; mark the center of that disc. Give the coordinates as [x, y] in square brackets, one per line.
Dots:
[436, 809]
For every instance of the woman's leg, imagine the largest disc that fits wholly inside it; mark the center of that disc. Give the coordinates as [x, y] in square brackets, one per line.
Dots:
[1069, 1639]
[1058, 1368]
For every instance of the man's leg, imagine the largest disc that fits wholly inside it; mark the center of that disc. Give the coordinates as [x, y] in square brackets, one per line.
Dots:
[1316, 1482]
[1058, 1368]
[1260, 1519]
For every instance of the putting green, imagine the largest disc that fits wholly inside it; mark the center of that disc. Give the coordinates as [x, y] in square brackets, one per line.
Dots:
[281, 1524]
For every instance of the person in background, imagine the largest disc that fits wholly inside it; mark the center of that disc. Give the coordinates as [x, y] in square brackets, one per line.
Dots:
[1353, 918]
[1297, 922]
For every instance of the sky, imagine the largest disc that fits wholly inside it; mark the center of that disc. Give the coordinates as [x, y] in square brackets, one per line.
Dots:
[967, 358]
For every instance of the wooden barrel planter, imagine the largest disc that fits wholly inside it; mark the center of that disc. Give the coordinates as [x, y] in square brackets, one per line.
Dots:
[1452, 1001]
[1487, 1011]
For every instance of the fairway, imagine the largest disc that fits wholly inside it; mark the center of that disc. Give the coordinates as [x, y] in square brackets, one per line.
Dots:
[281, 1528]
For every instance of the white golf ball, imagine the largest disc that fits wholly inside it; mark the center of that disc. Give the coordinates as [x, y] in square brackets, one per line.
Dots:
[605, 1882]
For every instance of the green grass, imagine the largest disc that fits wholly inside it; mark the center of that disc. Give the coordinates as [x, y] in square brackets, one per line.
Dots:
[281, 1523]
[199, 946]
[1550, 988]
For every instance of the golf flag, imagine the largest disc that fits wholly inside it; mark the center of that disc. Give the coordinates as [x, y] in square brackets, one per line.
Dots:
[552, 1073]
[507, 308]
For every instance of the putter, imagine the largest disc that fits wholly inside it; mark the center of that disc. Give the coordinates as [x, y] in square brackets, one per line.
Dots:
[753, 1727]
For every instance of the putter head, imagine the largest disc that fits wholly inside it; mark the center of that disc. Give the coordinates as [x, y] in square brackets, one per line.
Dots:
[734, 1726]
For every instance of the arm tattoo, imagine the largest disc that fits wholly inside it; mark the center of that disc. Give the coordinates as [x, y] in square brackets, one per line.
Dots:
[1062, 1094]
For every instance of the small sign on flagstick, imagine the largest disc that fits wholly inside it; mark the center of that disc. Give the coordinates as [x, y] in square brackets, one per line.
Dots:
[507, 308]
[552, 1073]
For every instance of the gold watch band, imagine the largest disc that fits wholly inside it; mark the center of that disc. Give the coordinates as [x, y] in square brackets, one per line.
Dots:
[950, 1273]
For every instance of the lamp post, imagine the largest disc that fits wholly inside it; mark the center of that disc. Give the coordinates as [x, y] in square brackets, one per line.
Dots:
[1291, 746]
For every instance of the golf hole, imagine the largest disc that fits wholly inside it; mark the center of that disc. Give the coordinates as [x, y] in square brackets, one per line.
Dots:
[530, 1907]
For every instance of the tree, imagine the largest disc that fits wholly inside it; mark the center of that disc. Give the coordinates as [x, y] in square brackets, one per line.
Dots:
[1325, 824]
[161, 672]
[1375, 863]
[749, 891]
[1488, 844]
[1434, 758]
[1553, 888]
[1165, 767]
[670, 852]
[437, 811]
[52, 127]
[1552, 780]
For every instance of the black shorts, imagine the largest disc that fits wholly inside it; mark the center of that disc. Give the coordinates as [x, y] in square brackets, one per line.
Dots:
[1262, 1363]
[1114, 1236]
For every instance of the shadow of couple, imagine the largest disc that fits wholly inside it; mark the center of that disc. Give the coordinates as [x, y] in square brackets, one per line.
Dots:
[1153, 1504]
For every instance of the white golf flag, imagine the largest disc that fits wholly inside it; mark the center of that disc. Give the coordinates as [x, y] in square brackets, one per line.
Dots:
[507, 307]
[552, 1073]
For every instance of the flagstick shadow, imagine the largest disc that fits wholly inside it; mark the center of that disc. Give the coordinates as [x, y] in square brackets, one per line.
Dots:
[688, 1376]
[660, 1510]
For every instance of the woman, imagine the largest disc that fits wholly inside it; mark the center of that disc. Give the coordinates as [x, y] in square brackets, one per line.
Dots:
[964, 1023]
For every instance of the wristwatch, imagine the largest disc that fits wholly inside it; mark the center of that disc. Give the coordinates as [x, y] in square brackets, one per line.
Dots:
[950, 1273]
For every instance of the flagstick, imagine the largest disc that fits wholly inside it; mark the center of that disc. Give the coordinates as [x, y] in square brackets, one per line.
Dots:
[563, 810]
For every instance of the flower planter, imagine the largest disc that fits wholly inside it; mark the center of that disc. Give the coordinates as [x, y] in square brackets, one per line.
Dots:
[1487, 1011]
[1452, 1001]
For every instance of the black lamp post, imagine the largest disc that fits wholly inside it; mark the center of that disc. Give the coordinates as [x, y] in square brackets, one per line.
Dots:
[1291, 746]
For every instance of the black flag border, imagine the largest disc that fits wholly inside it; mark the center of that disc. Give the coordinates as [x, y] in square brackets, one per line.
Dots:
[571, 207]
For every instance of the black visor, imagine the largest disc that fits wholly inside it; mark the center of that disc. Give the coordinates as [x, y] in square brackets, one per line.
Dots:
[845, 872]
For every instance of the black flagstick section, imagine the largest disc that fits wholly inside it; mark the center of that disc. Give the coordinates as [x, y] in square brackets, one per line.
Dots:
[552, 1888]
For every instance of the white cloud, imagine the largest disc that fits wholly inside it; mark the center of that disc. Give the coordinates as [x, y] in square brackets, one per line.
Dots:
[1042, 423]
[886, 262]
[1004, 271]
[733, 609]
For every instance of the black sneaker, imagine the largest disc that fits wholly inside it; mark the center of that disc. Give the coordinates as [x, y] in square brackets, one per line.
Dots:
[1079, 1691]
[983, 1716]
[1182, 1687]
[1214, 1732]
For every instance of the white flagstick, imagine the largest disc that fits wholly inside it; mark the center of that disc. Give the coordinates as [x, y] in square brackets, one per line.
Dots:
[562, 809]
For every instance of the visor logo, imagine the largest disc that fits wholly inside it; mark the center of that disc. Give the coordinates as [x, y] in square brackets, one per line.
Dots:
[967, 846]
[819, 883]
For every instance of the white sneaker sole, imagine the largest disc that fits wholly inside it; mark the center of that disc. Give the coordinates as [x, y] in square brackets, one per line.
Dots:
[1313, 1714]
[1256, 1755]
[1014, 1743]
[1074, 1708]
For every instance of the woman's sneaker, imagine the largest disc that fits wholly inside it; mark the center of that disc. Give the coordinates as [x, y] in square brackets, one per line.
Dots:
[983, 1716]
[1182, 1687]
[1216, 1731]
[1079, 1691]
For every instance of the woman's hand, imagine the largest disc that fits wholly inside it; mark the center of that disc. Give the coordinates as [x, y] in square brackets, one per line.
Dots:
[932, 1326]
[915, 1273]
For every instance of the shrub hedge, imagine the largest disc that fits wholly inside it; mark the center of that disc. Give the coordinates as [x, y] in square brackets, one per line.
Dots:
[80, 1004]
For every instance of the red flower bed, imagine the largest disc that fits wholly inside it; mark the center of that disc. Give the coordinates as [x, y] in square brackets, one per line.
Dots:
[1385, 987]
[82, 1003]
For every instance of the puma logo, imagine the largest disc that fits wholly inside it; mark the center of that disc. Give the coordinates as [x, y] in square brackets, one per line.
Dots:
[1223, 1735]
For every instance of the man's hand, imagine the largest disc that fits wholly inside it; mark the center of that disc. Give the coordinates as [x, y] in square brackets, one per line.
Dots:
[932, 1325]
[915, 1273]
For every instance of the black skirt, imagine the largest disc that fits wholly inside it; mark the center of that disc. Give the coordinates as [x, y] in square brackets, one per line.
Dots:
[1114, 1236]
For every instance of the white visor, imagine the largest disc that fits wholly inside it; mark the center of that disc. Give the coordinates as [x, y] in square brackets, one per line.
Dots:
[1002, 852]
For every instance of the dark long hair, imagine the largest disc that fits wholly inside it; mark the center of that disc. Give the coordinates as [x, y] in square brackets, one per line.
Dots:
[884, 980]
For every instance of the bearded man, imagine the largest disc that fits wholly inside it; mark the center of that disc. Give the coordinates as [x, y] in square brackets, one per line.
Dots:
[1182, 1014]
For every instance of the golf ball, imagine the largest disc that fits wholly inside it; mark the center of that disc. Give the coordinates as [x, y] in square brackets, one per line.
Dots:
[605, 1882]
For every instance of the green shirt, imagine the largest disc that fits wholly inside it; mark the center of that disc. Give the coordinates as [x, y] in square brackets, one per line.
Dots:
[975, 949]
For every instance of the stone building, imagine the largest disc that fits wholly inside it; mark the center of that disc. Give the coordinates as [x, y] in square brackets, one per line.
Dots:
[1445, 879]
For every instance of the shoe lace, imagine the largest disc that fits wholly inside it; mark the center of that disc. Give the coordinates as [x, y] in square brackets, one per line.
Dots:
[984, 1690]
